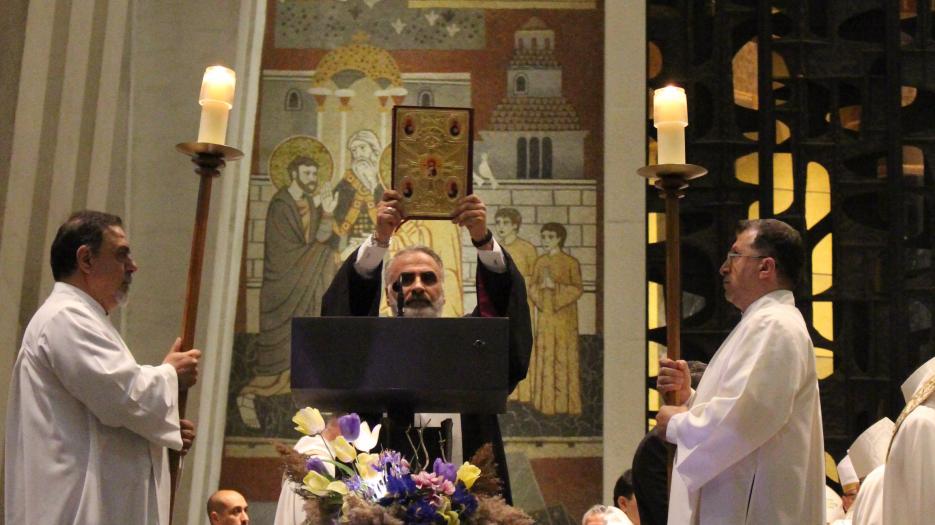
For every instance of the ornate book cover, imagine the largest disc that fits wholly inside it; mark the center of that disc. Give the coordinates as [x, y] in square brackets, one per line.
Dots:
[432, 158]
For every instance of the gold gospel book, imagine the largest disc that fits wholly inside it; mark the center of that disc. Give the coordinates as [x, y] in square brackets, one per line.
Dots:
[432, 158]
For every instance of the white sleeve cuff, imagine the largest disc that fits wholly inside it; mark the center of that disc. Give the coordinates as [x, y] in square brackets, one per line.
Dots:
[672, 434]
[171, 375]
[493, 260]
[172, 438]
[369, 257]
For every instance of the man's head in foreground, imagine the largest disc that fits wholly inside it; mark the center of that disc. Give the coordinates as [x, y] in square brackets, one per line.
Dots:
[767, 255]
[604, 515]
[417, 273]
[227, 507]
[92, 253]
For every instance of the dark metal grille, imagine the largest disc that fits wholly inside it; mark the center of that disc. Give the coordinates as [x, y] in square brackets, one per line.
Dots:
[851, 68]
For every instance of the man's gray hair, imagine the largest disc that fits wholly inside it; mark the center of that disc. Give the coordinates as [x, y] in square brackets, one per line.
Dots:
[611, 515]
[415, 249]
[368, 137]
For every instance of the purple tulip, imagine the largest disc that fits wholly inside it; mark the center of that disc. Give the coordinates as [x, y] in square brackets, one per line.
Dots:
[445, 470]
[350, 426]
[316, 465]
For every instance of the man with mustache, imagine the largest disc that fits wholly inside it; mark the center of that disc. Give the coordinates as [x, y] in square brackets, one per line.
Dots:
[416, 275]
[750, 444]
[87, 426]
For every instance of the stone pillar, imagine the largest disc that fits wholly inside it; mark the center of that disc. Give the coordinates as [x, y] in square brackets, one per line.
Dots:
[624, 237]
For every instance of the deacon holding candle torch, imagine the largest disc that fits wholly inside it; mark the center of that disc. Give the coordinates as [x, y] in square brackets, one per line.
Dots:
[749, 440]
[87, 426]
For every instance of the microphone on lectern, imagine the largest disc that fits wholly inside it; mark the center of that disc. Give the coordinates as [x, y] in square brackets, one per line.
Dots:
[400, 297]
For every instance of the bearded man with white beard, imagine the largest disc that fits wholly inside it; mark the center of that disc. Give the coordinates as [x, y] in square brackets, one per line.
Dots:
[355, 215]
[414, 278]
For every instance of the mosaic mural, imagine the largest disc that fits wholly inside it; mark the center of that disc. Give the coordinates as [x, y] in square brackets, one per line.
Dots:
[333, 70]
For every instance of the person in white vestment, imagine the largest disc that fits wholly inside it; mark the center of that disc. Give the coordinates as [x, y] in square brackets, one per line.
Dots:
[868, 507]
[850, 486]
[87, 427]
[909, 483]
[749, 440]
[866, 454]
[228, 507]
[290, 509]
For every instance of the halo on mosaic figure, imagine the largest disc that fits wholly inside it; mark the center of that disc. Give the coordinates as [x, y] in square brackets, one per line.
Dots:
[296, 146]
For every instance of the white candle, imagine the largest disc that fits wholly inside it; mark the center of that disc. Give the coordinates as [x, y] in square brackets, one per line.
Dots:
[670, 116]
[216, 99]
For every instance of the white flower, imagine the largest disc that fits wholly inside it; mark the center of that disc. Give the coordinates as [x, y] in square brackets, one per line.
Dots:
[367, 439]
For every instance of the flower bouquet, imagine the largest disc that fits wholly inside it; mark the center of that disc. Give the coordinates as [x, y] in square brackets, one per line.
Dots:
[349, 484]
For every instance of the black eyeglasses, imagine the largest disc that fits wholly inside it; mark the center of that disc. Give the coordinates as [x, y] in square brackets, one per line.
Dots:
[427, 278]
[731, 256]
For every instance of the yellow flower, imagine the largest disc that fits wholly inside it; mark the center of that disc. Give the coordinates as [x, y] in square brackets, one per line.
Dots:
[444, 506]
[345, 509]
[321, 486]
[365, 465]
[316, 483]
[452, 518]
[339, 487]
[468, 474]
[343, 450]
[309, 421]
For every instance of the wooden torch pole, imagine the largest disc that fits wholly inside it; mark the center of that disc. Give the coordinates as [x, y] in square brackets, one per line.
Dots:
[209, 159]
[673, 278]
[671, 180]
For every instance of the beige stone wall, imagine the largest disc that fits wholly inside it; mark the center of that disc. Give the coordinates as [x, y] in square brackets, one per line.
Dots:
[624, 236]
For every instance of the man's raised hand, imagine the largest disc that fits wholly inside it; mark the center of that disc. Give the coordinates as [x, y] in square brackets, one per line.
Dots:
[390, 214]
[674, 376]
[471, 213]
[185, 364]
